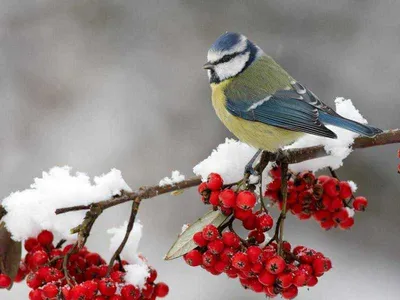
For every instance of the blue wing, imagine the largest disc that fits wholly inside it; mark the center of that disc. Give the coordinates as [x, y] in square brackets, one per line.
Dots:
[297, 109]
[286, 109]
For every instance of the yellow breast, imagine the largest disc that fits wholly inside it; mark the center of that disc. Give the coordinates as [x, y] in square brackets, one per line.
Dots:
[256, 134]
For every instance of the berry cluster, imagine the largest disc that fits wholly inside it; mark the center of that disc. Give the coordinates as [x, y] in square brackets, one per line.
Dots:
[328, 200]
[45, 275]
[259, 268]
[239, 204]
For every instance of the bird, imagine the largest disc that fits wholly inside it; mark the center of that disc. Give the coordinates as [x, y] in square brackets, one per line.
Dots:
[261, 104]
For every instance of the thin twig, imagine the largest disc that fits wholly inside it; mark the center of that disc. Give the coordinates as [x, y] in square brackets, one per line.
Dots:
[132, 217]
[60, 243]
[284, 170]
[333, 173]
[70, 281]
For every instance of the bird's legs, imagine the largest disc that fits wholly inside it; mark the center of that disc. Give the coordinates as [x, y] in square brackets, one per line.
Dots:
[248, 169]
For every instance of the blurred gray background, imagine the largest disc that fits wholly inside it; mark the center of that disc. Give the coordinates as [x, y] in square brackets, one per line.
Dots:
[102, 84]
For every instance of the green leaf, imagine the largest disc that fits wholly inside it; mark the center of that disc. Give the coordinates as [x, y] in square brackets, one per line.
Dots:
[10, 253]
[185, 241]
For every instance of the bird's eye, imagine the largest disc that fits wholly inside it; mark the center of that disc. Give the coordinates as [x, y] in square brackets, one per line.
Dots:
[226, 58]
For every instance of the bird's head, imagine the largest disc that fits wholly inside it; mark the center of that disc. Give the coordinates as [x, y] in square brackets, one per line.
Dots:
[229, 56]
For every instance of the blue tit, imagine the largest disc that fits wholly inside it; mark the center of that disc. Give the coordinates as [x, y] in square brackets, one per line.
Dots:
[260, 103]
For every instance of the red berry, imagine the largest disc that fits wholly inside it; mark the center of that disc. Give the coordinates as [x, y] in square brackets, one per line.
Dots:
[214, 198]
[360, 203]
[221, 266]
[231, 239]
[93, 259]
[91, 286]
[336, 204]
[38, 258]
[284, 280]
[202, 187]
[345, 190]
[45, 238]
[266, 278]
[255, 254]
[241, 214]
[328, 224]
[340, 216]
[347, 224]
[321, 265]
[107, 287]
[117, 276]
[227, 254]
[322, 215]
[227, 198]
[214, 182]
[323, 178]
[226, 211]
[209, 259]
[240, 261]
[312, 281]
[331, 187]
[216, 247]
[50, 290]
[130, 292]
[199, 240]
[210, 232]
[276, 265]
[250, 222]
[30, 244]
[153, 275]
[290, 293]
[264, 222]
[274, 185]
[113, 297]
[300, 278]
[161, 290]
[35, 295]
[5, 281]
[246, 200]
[33, 280]
[299, 184]
[270, 291]
[275, 172]
[193, 258]
[257, 267]
[257, 235]
[147, 291]
[256, 286]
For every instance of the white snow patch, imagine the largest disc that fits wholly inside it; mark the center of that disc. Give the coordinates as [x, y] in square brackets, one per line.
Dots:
[350, 211]
[353, 186]
[338, 148]
[136, 274]
[130, 252]
[32, 210]
[228, 160]
[176, 177]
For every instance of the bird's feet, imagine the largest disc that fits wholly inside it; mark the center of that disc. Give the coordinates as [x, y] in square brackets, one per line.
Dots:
[249, 170]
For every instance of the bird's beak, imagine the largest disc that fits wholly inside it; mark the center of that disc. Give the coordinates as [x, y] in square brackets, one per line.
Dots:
[208, 66]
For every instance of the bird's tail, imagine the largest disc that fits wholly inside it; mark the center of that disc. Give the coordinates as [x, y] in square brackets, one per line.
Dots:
[341, 122]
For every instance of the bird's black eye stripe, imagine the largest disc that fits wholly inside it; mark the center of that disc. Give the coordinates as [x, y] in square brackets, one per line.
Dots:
[228, 57]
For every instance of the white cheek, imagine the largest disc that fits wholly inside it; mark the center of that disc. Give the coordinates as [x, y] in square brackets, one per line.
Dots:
[232, 67]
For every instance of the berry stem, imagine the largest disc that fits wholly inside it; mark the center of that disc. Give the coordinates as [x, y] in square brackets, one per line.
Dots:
[134, 210]
[284, 168]
[333, 173]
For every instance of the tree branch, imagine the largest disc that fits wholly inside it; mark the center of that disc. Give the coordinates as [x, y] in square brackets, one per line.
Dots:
[292, 156]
